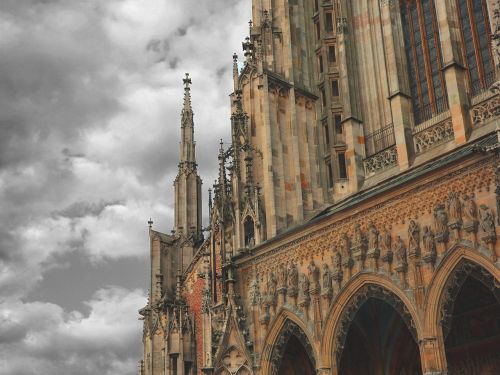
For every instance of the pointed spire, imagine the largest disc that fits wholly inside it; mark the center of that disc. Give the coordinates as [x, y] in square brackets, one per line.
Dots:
[235, 71]
[187, 93]
[187, 152]
[178, 285]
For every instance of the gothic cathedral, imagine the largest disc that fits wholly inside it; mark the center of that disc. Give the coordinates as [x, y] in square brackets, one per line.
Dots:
[353, 225]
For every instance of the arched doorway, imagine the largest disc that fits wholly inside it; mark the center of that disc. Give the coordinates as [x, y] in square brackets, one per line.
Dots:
[471, 322]
[378, 337]
[292, 353]
[295, 360]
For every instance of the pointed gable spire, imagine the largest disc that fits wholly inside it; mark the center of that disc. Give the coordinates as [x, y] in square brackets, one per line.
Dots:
[187, 151]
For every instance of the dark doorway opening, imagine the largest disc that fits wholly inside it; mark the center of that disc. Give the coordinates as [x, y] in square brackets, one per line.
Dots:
[473, 342]
[295, 359]
[379, 342]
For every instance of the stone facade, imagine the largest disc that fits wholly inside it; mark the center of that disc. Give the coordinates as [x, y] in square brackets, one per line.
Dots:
[342, 217]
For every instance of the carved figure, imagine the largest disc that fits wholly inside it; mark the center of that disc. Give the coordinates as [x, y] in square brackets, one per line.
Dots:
[327, 278]
[282, 276]
[373, 236]
[400, 251]
[293, 280]
[314, 273]
[486, 220]
[345, 247]
[440, 219]
[413, 235]
[337, 261]
[454, 207]
[386, 240]
[271, 289]
[358, 235]
[304, 287]
[428, 240]
[470, 208]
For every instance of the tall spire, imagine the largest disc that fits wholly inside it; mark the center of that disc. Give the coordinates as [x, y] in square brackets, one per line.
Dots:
[188, 183]
[187, 151]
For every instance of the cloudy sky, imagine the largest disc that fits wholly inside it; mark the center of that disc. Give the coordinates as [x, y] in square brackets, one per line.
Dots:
[90, 101]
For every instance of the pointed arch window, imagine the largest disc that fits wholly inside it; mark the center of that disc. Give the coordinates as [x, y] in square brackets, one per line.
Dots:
[249, 228]
[423, 53]
[476, 44]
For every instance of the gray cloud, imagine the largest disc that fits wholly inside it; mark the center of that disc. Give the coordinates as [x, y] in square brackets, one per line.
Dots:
[90, 101]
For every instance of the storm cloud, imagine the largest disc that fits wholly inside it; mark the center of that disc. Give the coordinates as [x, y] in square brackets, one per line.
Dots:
[90, 101]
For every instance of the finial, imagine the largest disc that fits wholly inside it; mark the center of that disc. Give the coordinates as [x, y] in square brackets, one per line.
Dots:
[250, 24]
[150, 223]
[235, 58]
[187, 82]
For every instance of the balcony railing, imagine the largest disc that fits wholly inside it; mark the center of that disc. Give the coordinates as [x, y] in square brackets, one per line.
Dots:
[379, 140]
[428, 111]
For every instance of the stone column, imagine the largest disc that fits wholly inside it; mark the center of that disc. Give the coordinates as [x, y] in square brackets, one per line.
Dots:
[454, 71]
[433, 356]
[398, 83]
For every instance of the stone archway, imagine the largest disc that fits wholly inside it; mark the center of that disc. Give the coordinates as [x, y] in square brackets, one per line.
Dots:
[292, 353]
[470, 321]
[377, 335]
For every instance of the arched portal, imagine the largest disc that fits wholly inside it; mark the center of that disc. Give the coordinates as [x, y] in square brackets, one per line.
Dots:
[471, 321]
[292, 353]
[377, 336]
[378, 342]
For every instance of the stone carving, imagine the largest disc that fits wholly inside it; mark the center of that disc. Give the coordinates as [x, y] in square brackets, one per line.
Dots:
[429, 246]
[485, 110]
[454, 210]
[327, 280]
[414, 238]
[314, 274]
[470, 213]
[272, 292]
[282, 277]
[341, 25]
[359, 245]
[254, 292]
[337, 267]
[487, 223]
[373, 236]
[441, 223]
[293, 281]
[400, 251]
[345, 248]
[433, 136]
[386, 242]
[304, 290]
[381, 160]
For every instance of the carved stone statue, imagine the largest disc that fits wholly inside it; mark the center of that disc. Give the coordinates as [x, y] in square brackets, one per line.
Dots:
[282, 277]
[429, 245]
[487, 221]
[470, 208]
[386, 240]
[327, 279]
[345, 248]
[358, 236]
[337, 261]
[400, 251]
[373, 236]
[293, 281]
[304, 288]
[413, 236]
[272, 292]
[454, 207]
[441, 223]
[314, 274]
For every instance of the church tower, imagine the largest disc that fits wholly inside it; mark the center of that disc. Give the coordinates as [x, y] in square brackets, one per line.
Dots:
[187, 183]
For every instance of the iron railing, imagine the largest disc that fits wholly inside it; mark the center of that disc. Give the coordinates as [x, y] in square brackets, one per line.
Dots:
[379, 140]
[428, 111]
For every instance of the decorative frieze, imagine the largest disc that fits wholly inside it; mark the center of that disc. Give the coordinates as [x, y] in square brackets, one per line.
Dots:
[382, 160]
[432, 136]
[485, 110]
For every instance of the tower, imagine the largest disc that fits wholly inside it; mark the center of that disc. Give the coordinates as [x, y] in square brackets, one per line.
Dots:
[187, 183]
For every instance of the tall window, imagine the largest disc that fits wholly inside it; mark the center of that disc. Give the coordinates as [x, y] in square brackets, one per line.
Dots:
[331, 54]
[476, 34]
[328, 22]
[342, 166]
[423, 52]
